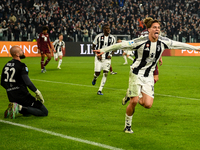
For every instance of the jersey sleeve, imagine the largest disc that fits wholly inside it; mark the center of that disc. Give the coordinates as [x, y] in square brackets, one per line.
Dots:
[123, 45]
[49, 42]
[28, 83]
[54, 43]
[181, 45]
[24, 69]
[38, 41]
[63, 44]
[95, 40]
[114, 40]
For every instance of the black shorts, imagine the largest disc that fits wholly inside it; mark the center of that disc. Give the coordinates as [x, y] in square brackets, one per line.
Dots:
[30, 101]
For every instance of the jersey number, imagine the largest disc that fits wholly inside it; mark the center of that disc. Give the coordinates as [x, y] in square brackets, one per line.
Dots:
[45, 38]
[9, 78]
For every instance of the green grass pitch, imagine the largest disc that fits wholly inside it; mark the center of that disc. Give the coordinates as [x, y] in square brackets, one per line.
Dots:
[75, 109]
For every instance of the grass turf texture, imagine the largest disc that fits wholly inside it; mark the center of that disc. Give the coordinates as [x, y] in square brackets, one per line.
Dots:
[76, 110]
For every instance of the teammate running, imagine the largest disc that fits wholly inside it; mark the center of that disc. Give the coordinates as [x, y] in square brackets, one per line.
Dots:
[103, 62]
[59, 45]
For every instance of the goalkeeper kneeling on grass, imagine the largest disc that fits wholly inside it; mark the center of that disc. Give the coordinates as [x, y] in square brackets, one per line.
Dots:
[15, 80]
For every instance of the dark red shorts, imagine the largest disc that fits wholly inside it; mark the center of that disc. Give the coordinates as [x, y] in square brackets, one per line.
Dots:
[156, 71]
[45, 51]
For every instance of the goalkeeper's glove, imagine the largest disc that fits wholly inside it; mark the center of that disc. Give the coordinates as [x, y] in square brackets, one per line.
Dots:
[39, 96]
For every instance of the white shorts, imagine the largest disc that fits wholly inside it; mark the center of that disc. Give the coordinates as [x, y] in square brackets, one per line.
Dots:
[57, 54]
[102, 65]
[130, 53]
[139, 83]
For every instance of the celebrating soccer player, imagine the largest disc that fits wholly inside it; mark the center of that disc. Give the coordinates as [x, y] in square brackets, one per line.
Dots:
[148, 50]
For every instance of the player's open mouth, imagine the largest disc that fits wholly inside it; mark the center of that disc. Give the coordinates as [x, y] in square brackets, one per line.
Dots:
[156, 33]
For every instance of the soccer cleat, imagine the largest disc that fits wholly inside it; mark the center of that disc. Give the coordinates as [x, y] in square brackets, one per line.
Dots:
[125, 63]
[127, 129]
[94, 81]
[113, 72]
[14, 110]
[99, 93]
[8, 110]
[125, 100]
[58, 67]
[44, 69]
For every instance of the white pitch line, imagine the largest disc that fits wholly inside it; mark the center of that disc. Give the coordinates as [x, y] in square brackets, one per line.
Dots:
[113, 89]
[91, 86]
[62, 135]
[178, 97]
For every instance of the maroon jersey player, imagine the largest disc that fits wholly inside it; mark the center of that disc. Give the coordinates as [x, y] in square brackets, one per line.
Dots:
[44, 44]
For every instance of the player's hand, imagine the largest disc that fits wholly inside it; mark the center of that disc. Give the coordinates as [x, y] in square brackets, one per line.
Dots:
[155, 78]
[38, 51]
[39, 96]
[99, 57]
[54, 50]
[160, 61]
[109, 57]
[98, 52]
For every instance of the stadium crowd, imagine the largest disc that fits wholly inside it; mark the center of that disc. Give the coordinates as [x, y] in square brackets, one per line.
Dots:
[82, 20]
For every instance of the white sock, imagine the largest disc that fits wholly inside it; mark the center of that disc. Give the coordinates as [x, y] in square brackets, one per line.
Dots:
[103, 81]
[125, 58]
[128, 120]
[129, 57]
[60, 62]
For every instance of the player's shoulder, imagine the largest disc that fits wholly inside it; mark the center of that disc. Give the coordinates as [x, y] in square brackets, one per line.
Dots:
[141, 39]
[112, 36]
[56, 40]
[164, 39]
[100, 34]
[21, 64]
[39, 35]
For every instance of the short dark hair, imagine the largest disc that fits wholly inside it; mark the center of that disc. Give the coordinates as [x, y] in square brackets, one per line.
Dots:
[60, 34]
[45, 28]
[105, 25]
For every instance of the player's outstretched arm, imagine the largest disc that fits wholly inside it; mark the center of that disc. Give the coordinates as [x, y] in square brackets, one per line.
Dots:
[125, 44]
[181, 45]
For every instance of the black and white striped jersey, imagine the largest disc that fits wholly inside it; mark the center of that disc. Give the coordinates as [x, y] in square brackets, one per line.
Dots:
[102, 41]
[58, 45]
[147, 53]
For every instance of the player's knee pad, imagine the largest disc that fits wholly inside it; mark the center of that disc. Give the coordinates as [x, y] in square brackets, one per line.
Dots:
[105, 74]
